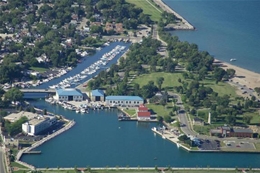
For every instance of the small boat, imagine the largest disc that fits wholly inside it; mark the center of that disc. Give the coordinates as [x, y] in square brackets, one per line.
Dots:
[82, 110]
[233, 59]
[77, 111]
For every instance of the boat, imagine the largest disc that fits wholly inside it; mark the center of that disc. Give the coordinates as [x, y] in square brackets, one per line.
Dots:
[233, 59]
[82, 110]
[77, 111]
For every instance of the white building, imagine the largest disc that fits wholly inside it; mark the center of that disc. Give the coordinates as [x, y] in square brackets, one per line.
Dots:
[130, 101]
[38, 124]
[68, 94]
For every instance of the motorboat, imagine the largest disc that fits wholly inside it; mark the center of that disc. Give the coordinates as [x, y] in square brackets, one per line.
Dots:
[233, 59]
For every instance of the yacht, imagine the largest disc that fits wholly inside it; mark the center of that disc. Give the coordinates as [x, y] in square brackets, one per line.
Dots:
[233, 59]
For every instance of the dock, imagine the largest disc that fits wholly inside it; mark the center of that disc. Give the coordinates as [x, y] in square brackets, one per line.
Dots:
[166, 134]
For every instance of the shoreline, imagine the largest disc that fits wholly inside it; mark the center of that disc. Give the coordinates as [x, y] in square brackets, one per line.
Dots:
[185, 24]
[243, 76]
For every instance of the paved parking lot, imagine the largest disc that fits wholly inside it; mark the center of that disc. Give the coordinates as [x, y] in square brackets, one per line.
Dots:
[209, 145]
[239, 145]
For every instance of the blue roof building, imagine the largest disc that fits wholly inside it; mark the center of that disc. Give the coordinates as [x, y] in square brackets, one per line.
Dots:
[97, 95]
[131, 101]
[68, 94]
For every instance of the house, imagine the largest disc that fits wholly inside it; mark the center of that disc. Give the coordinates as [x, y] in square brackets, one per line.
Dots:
[225, 131]
[197, 121]
[124, 101]
[68, 94]
[119, 28]
[143, 114]
[38, 124]
[109, 26]
[97, 95]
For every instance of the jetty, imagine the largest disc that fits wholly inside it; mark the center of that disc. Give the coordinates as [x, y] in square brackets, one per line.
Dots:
[184, 25]
[38, 143]
[32, 152]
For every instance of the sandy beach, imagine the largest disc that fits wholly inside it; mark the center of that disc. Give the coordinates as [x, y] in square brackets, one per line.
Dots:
[243, 76]
[183, 25]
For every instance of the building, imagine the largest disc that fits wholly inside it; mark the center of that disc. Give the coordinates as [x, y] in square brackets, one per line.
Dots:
[124, 101]
[226, 131]
[16, 116]
[143, 113]
[197, 121]
[68, 94]
[38, 124]
[97, 95]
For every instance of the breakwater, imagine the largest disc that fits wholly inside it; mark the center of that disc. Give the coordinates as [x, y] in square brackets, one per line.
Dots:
[38, 143]
[184, 25]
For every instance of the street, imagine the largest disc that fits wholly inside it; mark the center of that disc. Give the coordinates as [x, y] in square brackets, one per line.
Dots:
[2, 169]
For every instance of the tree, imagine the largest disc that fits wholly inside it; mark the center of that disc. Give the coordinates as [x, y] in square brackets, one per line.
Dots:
[14, 94]
[230, 72]
[257, 89]
[230, 119]
[159, 82]
[247, 118]
[160, 118]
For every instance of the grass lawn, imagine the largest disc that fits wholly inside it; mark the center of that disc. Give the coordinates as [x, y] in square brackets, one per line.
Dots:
[130, 112]
[221, 88]
[149, 9]
[160, 109]
[170, 79]
[39, 69]
[15, 164]
[255, 115]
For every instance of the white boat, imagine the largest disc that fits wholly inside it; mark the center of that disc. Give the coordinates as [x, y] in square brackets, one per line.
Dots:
[82, 110]
[233, 59]
[77, 111]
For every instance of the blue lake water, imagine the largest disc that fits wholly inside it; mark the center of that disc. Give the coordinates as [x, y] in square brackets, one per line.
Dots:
[225, 28]
[98, 139]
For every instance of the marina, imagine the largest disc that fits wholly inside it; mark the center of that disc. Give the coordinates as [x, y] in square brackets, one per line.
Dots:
[85, 141]
[79, 77]
[89, 67]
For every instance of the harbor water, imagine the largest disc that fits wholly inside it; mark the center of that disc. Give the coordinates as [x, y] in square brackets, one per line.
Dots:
[98, 139]
[86, 62]
[227, 29]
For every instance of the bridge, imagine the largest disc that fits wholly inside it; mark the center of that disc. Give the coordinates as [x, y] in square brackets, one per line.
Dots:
[33, 90]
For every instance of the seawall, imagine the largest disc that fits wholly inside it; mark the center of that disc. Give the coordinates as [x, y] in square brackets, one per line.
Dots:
[38, 143]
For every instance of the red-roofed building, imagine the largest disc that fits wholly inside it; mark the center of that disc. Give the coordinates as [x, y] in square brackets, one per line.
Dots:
[143, 114]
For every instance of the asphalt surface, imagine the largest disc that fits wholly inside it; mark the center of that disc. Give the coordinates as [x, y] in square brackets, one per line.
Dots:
[2, 170]
[244, 89]
[183, 118]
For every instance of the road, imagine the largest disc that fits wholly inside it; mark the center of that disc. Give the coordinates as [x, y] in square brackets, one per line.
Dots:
[2, 165]
[183, 118]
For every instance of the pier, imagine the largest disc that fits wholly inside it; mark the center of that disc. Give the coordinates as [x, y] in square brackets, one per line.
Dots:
[32, 152]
